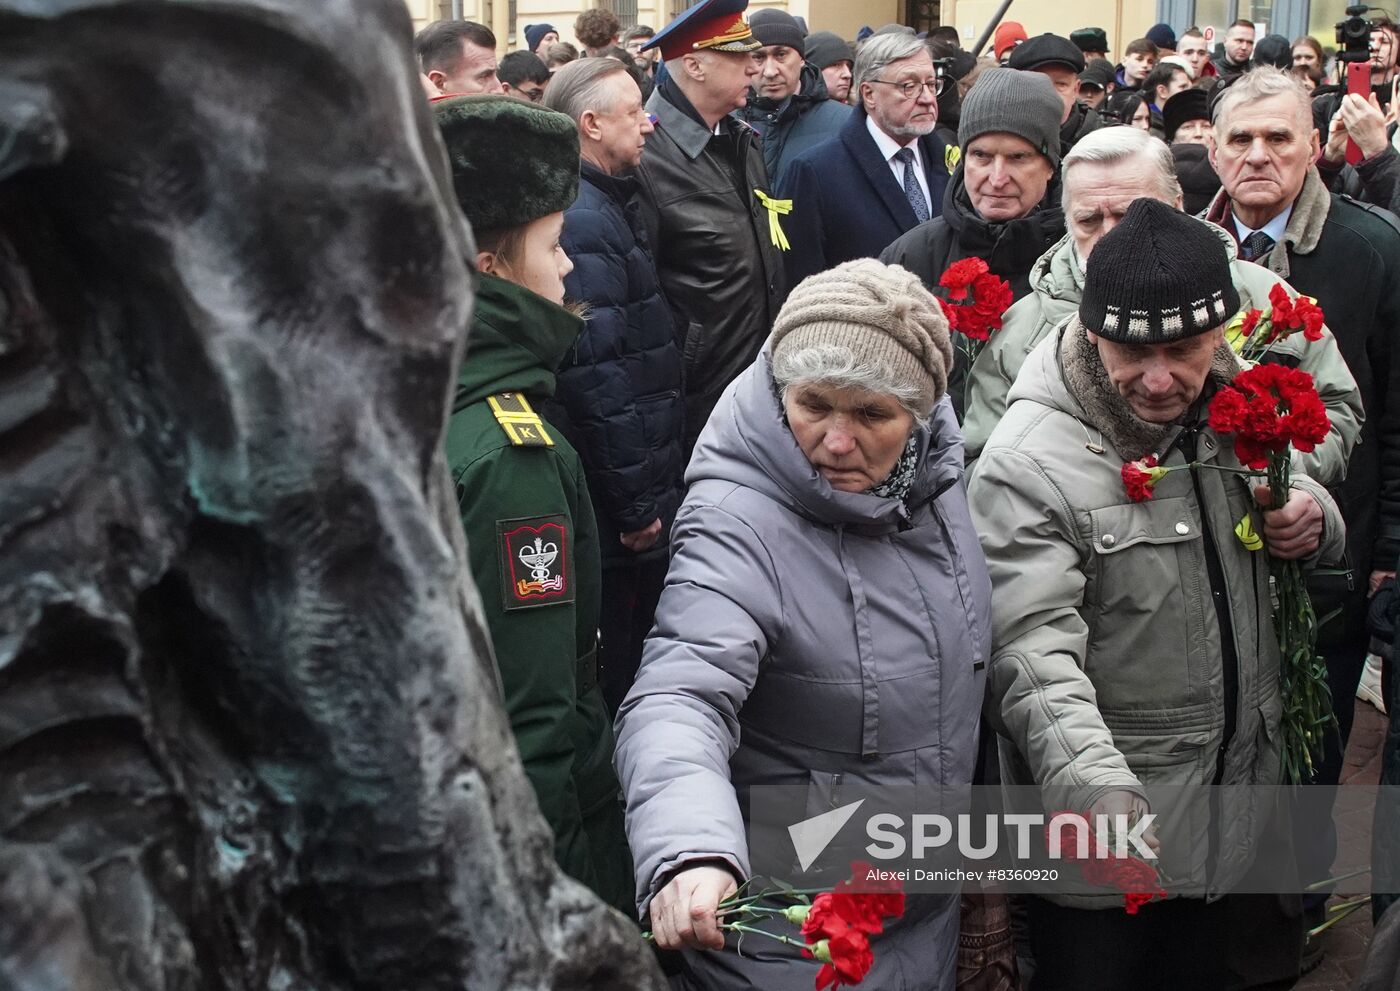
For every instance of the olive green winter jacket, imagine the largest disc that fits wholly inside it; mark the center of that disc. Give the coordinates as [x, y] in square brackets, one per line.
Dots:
[533, 551]
[1111, 668]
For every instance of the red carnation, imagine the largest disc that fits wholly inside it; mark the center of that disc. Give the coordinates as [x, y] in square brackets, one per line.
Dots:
[1134, 900]
[846, 959]
[1227, 411]
[1294, 314]
[960, 276]
[978, 298]
[1251, 320]
[863, 903]
[1308, 425]
[822, 919]
[951, 312]
[1267, 408]
[1139, 477]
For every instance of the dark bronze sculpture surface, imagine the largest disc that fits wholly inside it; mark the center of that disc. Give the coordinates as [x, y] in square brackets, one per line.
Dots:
[249, 729]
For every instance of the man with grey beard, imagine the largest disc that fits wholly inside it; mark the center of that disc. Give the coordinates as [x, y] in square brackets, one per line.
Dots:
[882, 174]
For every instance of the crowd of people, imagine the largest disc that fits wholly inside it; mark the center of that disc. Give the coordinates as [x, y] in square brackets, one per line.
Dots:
[744, 507]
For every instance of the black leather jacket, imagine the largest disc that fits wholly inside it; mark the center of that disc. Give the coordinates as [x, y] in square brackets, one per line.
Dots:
[720, 271]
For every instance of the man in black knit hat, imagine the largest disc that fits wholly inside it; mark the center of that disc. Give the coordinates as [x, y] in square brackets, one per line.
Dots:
[1059, 60]
[1132, 644]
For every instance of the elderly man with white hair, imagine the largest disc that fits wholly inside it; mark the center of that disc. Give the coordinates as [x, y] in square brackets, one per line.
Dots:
[1347, 255]
[1101, 177]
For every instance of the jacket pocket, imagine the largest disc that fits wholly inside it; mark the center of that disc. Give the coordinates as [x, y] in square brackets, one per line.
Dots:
[1148, 601]
[660, 414]
[1159, 521]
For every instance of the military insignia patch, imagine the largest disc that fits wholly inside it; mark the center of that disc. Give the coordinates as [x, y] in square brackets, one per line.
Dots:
[534, 562]
[522, 425]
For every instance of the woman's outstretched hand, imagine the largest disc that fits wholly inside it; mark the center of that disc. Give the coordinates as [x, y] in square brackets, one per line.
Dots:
[683, 912]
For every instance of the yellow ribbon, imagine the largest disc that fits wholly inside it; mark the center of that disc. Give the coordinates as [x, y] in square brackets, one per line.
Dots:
[952, 155]
[1234, 333]
[1244, 529]
[775, 209]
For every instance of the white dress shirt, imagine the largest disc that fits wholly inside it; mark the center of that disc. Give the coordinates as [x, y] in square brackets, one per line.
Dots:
[1273, 228]
[889, 147]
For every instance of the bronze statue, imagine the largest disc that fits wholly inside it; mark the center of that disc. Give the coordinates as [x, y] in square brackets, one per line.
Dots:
[249, 731]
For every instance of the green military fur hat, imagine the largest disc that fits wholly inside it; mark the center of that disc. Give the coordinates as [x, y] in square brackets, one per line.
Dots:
[512, 162]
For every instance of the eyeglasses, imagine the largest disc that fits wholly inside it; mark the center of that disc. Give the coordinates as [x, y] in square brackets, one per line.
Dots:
[912, 89]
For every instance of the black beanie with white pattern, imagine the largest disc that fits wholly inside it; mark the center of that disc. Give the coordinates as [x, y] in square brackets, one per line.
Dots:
[1159, 276]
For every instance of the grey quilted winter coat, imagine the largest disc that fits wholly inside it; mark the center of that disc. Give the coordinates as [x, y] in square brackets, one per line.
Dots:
[805, 637]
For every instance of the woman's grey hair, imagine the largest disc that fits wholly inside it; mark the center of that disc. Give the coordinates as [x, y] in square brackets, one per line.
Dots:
[879, 51]
[1115, 145]
[1262, 83]
[837, 366]
[581, 85]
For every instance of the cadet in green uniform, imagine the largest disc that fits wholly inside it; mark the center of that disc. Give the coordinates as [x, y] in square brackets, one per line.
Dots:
[531, 538]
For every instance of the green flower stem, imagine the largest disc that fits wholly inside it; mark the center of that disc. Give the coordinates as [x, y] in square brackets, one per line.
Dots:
[1328, 882]
[1339, 913]
[1307, 702]
[750, 910]
[739, 927]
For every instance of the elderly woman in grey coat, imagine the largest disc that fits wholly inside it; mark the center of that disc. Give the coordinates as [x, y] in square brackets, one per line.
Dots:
[824, 622]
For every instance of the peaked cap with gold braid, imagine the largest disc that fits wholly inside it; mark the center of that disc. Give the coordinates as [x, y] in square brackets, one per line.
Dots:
[716, 25]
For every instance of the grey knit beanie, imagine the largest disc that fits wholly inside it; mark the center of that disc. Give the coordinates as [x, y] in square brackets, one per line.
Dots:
[882, 314]
[1007, 101]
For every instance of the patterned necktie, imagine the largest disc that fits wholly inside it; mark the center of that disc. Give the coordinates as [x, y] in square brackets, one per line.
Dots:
[911, 184]
[1256, 245]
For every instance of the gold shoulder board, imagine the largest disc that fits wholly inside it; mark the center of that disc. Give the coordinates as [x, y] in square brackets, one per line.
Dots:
[519, 420]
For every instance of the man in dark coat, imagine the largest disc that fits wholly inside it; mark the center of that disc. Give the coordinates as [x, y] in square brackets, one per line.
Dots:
[883, 174]
[1060, 61]
[788, 104]
[835, 59]
[716, 227]
[1347, 256]
[619, 399]
[1234, 57]
[1002, 204]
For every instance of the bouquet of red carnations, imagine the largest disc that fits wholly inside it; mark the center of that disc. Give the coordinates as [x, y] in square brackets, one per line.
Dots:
[1107, 863]
[835, 925]
[1271, 410]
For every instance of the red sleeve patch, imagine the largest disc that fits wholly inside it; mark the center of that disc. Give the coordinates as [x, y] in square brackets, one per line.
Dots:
[535, 561]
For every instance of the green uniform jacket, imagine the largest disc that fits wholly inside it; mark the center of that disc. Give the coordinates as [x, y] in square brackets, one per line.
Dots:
[533, 550]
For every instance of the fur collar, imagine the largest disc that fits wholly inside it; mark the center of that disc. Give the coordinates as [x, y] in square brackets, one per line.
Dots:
[1304, 228]
[1088, 383]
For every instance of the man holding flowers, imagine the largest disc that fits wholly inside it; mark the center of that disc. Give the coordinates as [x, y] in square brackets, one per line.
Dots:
[1133, 641]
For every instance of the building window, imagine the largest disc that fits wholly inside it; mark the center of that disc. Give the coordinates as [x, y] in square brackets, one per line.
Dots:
[679, 7]
[1261, 13]
[626, 11]
[923, 15]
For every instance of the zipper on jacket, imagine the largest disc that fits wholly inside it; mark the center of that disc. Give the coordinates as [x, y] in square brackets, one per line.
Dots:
[1229, 659]
[1220, 600]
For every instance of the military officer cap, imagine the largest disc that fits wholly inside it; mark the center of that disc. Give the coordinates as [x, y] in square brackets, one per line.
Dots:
[714, 25]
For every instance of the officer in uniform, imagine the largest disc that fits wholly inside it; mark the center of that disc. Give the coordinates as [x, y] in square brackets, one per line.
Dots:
[531, 540]
[713, 221]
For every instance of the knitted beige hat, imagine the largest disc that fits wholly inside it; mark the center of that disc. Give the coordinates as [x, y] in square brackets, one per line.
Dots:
[882, 314]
